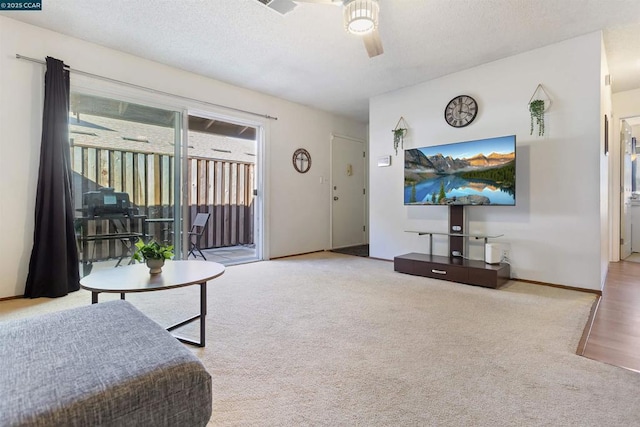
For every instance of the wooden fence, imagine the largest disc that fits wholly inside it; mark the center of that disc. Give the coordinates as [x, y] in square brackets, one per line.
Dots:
[225, 189]
[221, 187]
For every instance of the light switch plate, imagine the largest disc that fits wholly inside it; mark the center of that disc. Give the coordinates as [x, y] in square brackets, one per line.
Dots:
[384, 161]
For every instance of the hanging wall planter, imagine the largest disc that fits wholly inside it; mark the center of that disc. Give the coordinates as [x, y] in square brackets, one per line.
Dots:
[399, 132]
[538, 104]
[536, 108]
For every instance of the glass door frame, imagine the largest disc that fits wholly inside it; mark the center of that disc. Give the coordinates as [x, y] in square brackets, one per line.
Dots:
[258, 220]
[93, 87]
[108, 89]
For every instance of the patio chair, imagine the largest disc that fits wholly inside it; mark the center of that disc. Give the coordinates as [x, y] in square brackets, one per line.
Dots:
[127, 238]
[197, 229]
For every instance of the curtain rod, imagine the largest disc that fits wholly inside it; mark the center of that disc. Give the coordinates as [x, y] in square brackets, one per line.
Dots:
[108, 79]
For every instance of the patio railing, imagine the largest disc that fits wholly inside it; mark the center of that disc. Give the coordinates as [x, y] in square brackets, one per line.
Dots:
[222, 187]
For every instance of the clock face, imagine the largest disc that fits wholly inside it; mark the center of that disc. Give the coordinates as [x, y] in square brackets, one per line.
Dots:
[461, 111]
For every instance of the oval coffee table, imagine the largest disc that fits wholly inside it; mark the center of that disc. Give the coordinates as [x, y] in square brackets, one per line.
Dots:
[175, 274]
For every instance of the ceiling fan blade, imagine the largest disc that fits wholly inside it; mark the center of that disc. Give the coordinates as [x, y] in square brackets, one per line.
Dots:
[333, 2]
[281, 6]
[373, 43]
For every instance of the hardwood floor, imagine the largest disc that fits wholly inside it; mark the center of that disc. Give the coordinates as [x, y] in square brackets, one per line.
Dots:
[615, 332]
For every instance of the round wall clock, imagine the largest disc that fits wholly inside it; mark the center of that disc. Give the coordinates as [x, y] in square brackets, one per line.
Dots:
[461, 111]
[301, 160]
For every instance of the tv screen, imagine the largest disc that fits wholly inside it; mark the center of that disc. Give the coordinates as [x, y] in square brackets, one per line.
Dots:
[480, 172]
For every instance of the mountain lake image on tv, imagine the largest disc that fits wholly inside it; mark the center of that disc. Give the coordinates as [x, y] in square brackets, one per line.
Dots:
[480, 172]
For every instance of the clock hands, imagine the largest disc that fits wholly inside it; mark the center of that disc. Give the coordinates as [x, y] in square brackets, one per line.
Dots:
[461, 111]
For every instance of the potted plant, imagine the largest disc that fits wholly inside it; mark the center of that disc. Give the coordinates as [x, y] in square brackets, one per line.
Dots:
[398, 138]
[154, 254]
[399, 132]
[536, 107]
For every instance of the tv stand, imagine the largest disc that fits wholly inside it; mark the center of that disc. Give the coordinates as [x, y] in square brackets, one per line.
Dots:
[454, 268]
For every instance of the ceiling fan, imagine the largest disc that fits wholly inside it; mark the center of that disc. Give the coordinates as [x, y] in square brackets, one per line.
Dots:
[360, 18]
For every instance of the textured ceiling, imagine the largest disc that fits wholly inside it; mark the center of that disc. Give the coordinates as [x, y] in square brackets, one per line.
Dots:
[307, 57]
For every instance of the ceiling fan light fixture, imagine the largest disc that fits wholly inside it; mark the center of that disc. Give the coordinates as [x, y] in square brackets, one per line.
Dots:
[361, 16]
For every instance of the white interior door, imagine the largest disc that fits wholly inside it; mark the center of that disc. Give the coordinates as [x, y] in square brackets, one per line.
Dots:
[625, 197]
[348, 192]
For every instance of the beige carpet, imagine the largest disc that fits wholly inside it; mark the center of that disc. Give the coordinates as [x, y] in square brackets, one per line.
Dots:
[329, 339]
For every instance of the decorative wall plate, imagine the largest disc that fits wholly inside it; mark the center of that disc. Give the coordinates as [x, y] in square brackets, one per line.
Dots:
[301, 160]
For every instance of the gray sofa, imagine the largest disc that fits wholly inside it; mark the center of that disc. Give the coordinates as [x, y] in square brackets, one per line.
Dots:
[101, 365]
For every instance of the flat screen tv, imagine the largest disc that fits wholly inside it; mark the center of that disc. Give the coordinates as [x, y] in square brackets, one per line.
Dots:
[480, 172]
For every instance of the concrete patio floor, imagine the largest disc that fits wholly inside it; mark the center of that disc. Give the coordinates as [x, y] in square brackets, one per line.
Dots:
[230, 255]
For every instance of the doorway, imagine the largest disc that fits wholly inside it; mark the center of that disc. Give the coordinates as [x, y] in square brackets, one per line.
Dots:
[144, 172]
[630, 190]
[348, 192]
[222, 180]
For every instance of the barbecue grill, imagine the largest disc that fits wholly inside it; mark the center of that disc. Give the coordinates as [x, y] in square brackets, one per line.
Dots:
[106, 201]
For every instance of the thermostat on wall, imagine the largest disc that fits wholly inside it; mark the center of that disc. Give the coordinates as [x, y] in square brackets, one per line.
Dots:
[384, 161]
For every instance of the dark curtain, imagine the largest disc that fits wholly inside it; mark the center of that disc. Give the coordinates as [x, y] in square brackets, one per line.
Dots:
[53, 268]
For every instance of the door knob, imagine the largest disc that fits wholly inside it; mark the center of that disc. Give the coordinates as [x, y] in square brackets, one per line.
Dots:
[335, 197]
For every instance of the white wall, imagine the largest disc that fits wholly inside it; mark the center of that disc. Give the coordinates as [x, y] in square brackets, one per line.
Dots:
[554, 232]
[297, 216]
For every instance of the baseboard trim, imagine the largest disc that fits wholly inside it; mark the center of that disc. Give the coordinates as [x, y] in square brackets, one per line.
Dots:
[380, 259]
[533, 282]
[553, 285]
[10, 298]
[300, 254]
[586, 333]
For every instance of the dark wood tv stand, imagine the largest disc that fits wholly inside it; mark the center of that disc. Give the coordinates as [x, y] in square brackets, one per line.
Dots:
[454, 268]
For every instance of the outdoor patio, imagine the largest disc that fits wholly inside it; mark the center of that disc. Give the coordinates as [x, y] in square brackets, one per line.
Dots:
[230, 255]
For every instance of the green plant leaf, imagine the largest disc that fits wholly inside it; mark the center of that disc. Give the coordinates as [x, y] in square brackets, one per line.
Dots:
[152, 250]
[398, 137]
[536, 107]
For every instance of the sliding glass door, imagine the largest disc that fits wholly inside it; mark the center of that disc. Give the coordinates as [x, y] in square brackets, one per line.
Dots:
[126, 180]
[222, 179]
